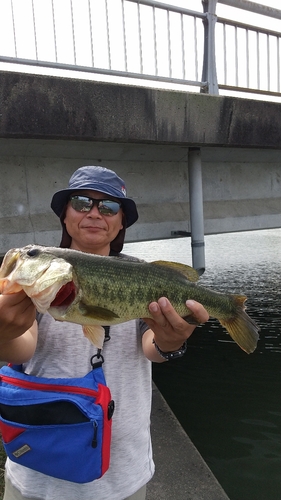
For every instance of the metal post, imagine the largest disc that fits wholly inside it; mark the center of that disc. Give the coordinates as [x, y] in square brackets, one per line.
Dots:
[209, 73]
[196, 209]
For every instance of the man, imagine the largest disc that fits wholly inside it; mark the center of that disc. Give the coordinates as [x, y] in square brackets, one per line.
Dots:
[94, 212]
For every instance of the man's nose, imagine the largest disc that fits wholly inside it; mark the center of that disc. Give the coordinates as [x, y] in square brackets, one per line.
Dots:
[94, 212]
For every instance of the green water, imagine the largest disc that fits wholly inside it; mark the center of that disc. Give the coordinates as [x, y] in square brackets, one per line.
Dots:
[229, 402]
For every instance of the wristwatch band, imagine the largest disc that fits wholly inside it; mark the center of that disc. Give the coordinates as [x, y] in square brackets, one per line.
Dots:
[173, 354]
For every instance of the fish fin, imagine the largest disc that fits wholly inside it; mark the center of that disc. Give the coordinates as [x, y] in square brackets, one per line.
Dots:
[98, 313]
[95, 334]
[8, 287]
[242, 329]
[9, 263]
[189, 272]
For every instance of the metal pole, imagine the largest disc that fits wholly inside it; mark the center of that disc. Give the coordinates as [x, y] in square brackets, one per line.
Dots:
[264, 10]
[196, 209]
[209, 73]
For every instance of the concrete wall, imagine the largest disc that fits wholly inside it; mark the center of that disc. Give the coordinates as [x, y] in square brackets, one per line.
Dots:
[31, 171]
[50, 126]
[44, 107]
[238, 195]
[242, 189]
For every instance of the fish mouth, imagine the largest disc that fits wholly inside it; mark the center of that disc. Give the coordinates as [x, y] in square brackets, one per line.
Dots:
[65, 296]
[46, 279]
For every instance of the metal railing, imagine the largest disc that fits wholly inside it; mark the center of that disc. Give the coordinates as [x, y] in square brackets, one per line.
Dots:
[250, 56]
[144, 39]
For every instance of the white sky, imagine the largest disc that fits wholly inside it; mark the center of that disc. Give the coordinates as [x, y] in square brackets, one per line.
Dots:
[64, 42]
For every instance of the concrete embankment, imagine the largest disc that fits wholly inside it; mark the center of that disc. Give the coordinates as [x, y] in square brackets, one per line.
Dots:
[181, 473]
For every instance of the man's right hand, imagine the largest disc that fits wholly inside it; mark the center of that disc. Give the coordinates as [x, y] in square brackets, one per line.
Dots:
[17, 315]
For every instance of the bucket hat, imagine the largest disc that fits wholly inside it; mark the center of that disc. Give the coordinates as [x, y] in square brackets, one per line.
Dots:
[99, 179]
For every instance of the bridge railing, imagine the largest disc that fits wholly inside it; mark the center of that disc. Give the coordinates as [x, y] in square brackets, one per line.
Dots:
[249, 59]
[144, 39]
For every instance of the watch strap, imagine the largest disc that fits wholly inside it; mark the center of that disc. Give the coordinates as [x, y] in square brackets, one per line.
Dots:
[172, 354]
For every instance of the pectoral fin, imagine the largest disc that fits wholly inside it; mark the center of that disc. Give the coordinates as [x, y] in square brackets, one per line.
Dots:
[95, 334]
[189, 272]
[98, 313]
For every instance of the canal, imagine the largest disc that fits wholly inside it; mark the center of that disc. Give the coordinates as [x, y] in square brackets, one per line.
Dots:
[229, 402]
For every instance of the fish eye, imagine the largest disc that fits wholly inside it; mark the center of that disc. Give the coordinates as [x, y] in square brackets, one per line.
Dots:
[33, 252]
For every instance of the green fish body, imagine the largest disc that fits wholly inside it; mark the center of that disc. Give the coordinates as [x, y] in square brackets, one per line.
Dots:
[95, 291]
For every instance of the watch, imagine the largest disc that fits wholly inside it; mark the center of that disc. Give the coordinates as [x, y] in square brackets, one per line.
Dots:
[173, 354]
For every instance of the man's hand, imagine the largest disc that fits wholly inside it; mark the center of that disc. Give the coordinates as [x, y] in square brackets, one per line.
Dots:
[17, 314]
[169, 330]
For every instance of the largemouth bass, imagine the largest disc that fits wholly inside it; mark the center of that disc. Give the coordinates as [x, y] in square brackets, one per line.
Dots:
[96, 291]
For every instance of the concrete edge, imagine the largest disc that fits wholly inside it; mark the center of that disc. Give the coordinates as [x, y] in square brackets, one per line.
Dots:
[181, 473]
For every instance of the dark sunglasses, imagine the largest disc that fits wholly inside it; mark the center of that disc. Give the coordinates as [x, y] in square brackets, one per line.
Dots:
[85, 204]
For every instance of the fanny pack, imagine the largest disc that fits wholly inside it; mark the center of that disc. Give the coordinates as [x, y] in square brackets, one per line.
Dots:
[59, 427]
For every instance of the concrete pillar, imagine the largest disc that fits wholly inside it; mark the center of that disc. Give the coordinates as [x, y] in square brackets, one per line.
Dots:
[196, 209]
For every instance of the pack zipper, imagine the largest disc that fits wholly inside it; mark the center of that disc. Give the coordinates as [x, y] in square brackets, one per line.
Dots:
[25, 384]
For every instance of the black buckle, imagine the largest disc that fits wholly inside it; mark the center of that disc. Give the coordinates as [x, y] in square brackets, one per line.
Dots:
[100, 359]
[99, 355]
[106, 333]
[110, 409]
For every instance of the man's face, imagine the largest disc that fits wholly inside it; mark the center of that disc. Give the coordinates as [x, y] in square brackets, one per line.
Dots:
[91, 231]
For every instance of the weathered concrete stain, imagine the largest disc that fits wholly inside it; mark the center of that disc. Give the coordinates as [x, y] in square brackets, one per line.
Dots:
[35, 106]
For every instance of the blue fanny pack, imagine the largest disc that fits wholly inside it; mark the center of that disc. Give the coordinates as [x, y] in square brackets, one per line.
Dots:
[59, 427]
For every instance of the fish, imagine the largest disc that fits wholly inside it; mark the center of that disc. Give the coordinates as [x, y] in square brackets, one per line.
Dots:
[95, 291]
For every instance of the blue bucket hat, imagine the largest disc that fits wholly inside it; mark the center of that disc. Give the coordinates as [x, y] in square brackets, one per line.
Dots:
[99, 179]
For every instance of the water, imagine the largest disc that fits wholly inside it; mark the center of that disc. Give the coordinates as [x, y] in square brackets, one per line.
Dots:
[227, 401]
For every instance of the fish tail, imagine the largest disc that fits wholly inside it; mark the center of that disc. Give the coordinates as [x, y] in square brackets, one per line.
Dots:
[241, 327]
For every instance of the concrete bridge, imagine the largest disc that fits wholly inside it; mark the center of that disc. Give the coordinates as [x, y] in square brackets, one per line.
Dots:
[157, 140]
[49, 126]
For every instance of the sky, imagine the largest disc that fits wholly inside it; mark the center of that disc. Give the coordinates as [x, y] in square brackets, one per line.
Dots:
[63, 49]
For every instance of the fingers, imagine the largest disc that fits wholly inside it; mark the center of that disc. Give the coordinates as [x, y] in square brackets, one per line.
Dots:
[198, 312]
[170, 329]
[164, 313]
[17, 314]
[161, 311]
[14, 298]
[16, 303]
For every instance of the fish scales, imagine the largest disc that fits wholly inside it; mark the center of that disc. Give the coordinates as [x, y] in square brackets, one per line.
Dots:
[139, 288]
[133, 284]
[95, 291]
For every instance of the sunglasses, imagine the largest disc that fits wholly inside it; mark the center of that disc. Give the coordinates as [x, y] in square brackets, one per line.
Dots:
[85, 204]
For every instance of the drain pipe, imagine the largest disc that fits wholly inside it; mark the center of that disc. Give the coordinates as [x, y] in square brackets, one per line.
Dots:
[196, 209]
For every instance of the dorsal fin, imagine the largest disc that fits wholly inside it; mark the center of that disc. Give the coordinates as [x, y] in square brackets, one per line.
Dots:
[189, 272]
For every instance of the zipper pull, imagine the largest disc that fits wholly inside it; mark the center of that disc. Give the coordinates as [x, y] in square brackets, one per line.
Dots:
[94, 440]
